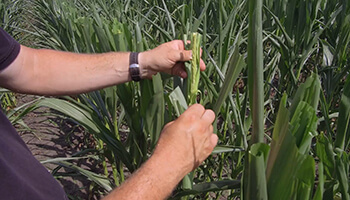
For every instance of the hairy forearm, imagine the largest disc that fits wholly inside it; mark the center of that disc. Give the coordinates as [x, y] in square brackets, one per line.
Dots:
[155, 180]
[49, 72]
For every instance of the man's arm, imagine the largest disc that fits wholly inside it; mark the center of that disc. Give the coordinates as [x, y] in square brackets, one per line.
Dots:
[49, 72]
[183, 145]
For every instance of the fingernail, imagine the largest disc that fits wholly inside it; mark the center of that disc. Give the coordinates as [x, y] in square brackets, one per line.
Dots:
[191, 55]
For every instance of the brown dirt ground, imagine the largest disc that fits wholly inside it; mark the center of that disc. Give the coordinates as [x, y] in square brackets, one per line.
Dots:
[54, 137]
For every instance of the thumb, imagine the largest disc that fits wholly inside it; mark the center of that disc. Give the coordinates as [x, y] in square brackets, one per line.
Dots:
[179, 70]
[182, 55]
[214, 140]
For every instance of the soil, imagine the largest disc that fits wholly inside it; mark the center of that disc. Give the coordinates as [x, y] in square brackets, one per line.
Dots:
[54, 137]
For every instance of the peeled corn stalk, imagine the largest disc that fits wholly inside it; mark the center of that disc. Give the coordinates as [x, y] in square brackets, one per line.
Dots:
[193, 72]
[195, 69]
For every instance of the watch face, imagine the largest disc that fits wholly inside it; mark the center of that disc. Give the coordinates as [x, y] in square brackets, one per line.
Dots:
[135, 72]
[134, 68]
[134, 65]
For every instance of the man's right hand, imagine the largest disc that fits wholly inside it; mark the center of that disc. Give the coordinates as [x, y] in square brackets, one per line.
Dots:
[186, 142]
[183, 145]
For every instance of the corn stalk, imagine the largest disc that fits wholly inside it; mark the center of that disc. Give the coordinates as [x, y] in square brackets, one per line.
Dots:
[193, 74]
[255, 181]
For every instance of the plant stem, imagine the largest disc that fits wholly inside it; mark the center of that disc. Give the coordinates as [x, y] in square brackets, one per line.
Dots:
[255, 70]
[195, 69]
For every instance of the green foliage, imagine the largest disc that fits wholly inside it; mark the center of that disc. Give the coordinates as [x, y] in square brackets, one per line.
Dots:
[11, 20]
[296, 56]
[343, 133]
[11, 16]
[290, 170]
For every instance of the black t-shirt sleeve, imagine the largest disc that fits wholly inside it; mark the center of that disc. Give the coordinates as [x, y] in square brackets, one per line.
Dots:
[9, 49]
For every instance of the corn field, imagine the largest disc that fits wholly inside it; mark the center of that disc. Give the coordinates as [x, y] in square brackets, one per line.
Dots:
[277, 78]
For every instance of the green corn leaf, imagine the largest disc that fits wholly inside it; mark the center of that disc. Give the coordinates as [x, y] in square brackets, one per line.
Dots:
[305, 178]
[287, 167]
[209, 187]
[226, 149]
[303, 126]
[303, 110]
[236, 65]
[178, 101]
[84, 117]
[320, 188]
[289, 41]
[342, 172]
[89, 120]
[59, 159]
[343, 131]
[172, 26]
[139, 45]
[97, 178]
[257, 186]
[155, 110]
[308, 92]
[203, 14]
[165, 34]
[16, 115]
[324, 152]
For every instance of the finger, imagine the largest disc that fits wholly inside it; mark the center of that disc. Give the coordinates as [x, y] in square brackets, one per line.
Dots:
[196, 110]
[202, 65]
[187, 42]
[208, 116]
[179, 70]
[211, 129]
[213, 141]
[180, 44]
[182, 55]
[149, 75]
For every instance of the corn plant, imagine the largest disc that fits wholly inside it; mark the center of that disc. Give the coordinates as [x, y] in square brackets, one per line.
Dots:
[11, 20]
[11, 16]
[334, 158]
[101, 106]
[276, 77]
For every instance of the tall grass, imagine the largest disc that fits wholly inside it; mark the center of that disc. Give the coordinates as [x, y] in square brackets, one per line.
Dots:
[275, 78]
[11, 16]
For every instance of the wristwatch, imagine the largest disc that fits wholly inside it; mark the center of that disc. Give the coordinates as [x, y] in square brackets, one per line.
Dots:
[134, 68]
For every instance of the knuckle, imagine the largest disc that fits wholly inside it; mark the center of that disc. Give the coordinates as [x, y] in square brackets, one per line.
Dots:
[201, 129]
[198, 108]
[191, 119]
[166, 126]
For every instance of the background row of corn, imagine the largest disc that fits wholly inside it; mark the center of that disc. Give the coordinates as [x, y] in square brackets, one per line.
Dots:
[277, 79]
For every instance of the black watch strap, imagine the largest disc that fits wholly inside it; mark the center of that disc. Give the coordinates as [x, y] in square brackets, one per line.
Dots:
[134, 67]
